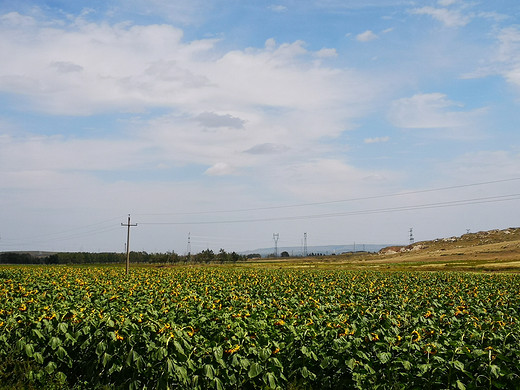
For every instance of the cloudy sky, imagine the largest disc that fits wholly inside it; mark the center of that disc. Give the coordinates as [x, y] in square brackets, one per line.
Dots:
[228, 120]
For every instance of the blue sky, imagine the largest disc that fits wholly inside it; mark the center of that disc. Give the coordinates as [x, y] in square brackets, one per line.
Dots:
[350, 121]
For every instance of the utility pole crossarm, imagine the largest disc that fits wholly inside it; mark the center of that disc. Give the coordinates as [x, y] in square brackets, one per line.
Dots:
[128, 225]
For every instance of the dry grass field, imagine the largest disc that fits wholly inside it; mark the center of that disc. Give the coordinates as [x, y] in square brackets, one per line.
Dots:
[488, 251]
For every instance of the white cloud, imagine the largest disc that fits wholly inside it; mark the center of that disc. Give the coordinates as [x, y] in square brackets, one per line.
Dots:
[17, 20]
[66, 67]
[210, 119]
[494, 16]
[122, 67]
[509, 54]
[423, 111]
[478, 166]
[503, 59]
[366, 36]
[376, 140]
[278, 8]
[57, 153]
[327, 179]
[267, 148]
[326, 53]
[219, 169]
[450, 18]
[184, 12]
[446, 3]
[432, 111]
[90, 68]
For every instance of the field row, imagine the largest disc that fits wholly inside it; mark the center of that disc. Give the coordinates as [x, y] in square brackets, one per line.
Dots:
[216, 327]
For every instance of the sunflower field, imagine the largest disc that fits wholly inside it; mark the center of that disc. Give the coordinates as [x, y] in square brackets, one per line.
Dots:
[257, 328]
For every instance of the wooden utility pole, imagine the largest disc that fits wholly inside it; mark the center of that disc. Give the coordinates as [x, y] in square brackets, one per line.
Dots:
[128, 225]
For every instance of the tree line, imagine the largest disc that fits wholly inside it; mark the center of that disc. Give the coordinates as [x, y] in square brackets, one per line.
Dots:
[206, 256]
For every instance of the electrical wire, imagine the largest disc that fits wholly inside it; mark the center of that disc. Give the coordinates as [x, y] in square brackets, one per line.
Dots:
[81, 232]
[335, 201]
[64, 235]
[491, 199]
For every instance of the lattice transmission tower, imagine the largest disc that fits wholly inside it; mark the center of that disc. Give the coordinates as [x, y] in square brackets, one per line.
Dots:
[276, 236]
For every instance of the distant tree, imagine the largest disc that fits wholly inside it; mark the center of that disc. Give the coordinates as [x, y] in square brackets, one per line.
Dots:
[222, 256]
[173, 257]
[52, 259]
[16, 258]
[254, 256]
[206, 256]
[284, 254]
[235, 257]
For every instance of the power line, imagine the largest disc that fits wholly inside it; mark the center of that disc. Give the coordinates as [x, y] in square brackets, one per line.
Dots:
[491, 199]
[220, 238]
[339, 200]
[24, 241]
[98, 228]
[74, 232]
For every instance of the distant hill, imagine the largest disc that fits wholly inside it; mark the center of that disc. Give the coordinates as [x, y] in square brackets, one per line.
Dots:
[35, 254]
[468, 240]
[485, 245]
[318, 249]
[489, 251]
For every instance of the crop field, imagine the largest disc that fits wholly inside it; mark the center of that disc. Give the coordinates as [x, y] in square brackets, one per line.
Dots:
[257, 328]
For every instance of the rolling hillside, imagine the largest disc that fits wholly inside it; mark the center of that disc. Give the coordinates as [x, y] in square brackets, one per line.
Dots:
[489, 251]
